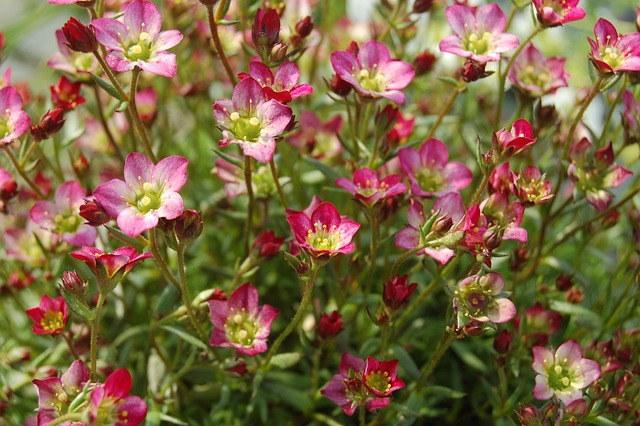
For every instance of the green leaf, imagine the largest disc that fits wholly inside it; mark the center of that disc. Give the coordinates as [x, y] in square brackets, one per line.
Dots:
[603, 421]
[449, 80]
[576, 310]
[122, 107]
[186, 337]
[329, 172]
[405, 361]
[78, 306]
[227, 22]
[289, 395]
[230, 158]
[108, 87]
[286, 360]
[129, 333]
[444, 391]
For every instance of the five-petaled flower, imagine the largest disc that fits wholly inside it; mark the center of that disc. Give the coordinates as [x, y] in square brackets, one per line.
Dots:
[109, 268]
[563, 374]
[372, 72]
[551, 13]
[283, 85]
[368, 188]
[611, 52]
[324, 232]
[240, 323]
[138, 41]
[480, 298]
[50, 316]
[56, 393]
[360, 384]
[535, 75]
[13, 120]
[251, 121]
[147, 193]
[112, 404]
[479, 35]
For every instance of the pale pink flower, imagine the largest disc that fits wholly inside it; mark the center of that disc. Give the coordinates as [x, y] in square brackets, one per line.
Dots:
[536, 75]
[76, 63]
[551, 13]
[481, 298]
[612, 52]
[13, 120]
[368, 188]
[478, 35]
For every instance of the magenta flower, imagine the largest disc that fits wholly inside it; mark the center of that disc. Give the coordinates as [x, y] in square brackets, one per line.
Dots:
[50, 317]
[360, 384]
[479, 35]
[368, 188]
[504, 216]
[631, 114]
[481, 298]
[62, 216]
[137, 41]
[372, 72]
[611, 52]
[240, 323]
[251, 121]
[112, 404]
[324, 232]
[531, 187]
[563, 374]
[593, 175]
[535, 75]
[56, 393]
[512, 142]
[430, 172]
[318, 139]
[110, 265]
[13, 120]
[147, 193]
[551, 13]
[283, 85]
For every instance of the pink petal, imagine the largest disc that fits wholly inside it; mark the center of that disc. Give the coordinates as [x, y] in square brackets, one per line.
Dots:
[245, 297]
[138, 169]
[142, 16]
[132, 223]
[373, 54]
[262, 150]
[171, 173]
[113, 196]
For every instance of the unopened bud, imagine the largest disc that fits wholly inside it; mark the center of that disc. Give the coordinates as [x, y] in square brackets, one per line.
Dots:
[188, 226]
[80, 37]
[472, 71]
[424, 63]
[330, 325]
[94, 213]
[8, 190]
[339, 86]
[278, 52]
[304, 26]
[502, 342]
[73, 283]
[422, 6]
[50, 124]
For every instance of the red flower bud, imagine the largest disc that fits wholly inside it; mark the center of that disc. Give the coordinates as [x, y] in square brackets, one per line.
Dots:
[188, 226]
[80, 37]
[266, 29]
[472, 71]
[424, 63]
[73, 283]
[397, 292]
[268, 244]
[50, 124]
[330, 325]
[339, 86]
[502, 342]
[304, 26]
[94, 213]
[422, 6]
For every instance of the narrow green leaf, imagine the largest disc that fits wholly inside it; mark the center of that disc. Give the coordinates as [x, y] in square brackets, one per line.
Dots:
[170, 419]
[230, 158]
[405, 361]
[449, 80]
[329, 172]
[77, 306]
[444, 391]
[108, 87]
[286, 360]
[186, 337]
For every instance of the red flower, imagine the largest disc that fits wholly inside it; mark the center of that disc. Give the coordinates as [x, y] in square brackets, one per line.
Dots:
[330, 325]
[50, 317]
[397, 292]
[81, 38]
[66, 94]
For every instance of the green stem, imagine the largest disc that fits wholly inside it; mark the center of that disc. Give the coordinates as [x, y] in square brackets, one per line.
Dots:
[95, 323]
[445, 342]
[213, 28]
[307, 295]
[112, 78]
[585, 104]
[137, 122]
[364, 124]
[504, 75]
[373, 249]
[67, 339]
[105, 126]
[362, 415]
[159, 260]
[185, 294]
[249, 223]
[25, 157]
[483, 184]
[21, 172]
[444, 112]
[610, 113]
[66, 418]
[274, 173]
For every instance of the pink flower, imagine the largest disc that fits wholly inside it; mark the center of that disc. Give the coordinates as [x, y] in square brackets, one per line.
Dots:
[251, 121]
[324, 232]
[50, 317]
[318, 139]
[480, 298]
[240, 323]
[509, 143]
[539, 324]
[137, 41]
[478, 34]
[283, 85]
[330, 325]
[13, 120]
[504, 217]
[110, 265]
[112, 404]
[536, 75]
[368, 188]
[147, 193]
[430, 172]
[611, 52]
[531, 187]
[563, 374]
[267, 244]
[372, 72]
[631, 114]
[593, 174]
[360, 384]
[552, 13]
[66, 94]
[56, 393]
[62, 216]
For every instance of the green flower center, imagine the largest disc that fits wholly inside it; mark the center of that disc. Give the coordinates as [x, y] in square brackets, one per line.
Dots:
[379, 380]
[241, 327]
[82, 61]
[371, 188]
[479, 44]
[324, 238]
[531, 76]
[430, 179]
[5, 127]
[141, 50]
[371, 80]
[149, 199]
[559, 377]
[612, 55]
[51, 320]
[69, 224]
[246, 128]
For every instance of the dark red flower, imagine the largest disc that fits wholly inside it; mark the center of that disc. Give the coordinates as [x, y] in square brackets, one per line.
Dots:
[80, 37]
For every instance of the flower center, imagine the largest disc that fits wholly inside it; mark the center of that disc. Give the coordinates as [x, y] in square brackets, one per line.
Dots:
[51, 320]
[479, 44]
[82, 61]
[371, 80]
[5, 127]
[324, 238]
[612, 56]
[379, 381]
[477, 302]
[430, 180]
[148, 199]
[371, 188]
[67, 224]
[246, 128]
[241, 327]
[140, 50]
[558, 377]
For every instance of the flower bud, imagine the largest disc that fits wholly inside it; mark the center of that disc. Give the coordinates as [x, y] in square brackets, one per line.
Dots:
[386, 118]
[472, 71]
[423, 63]
[188, 226]
[397, 292]
[8, 190]
[50, 124]
[268, 244]
[422, 6]
[73, 283]
[241, 367]
[266, 29]
[339, 86]
[502, 342]
[80, 38]
[575, 295]
[564, 282]
[330, 325]
[304, 26]
[94, 213]
[473, 328]
[278, 52]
